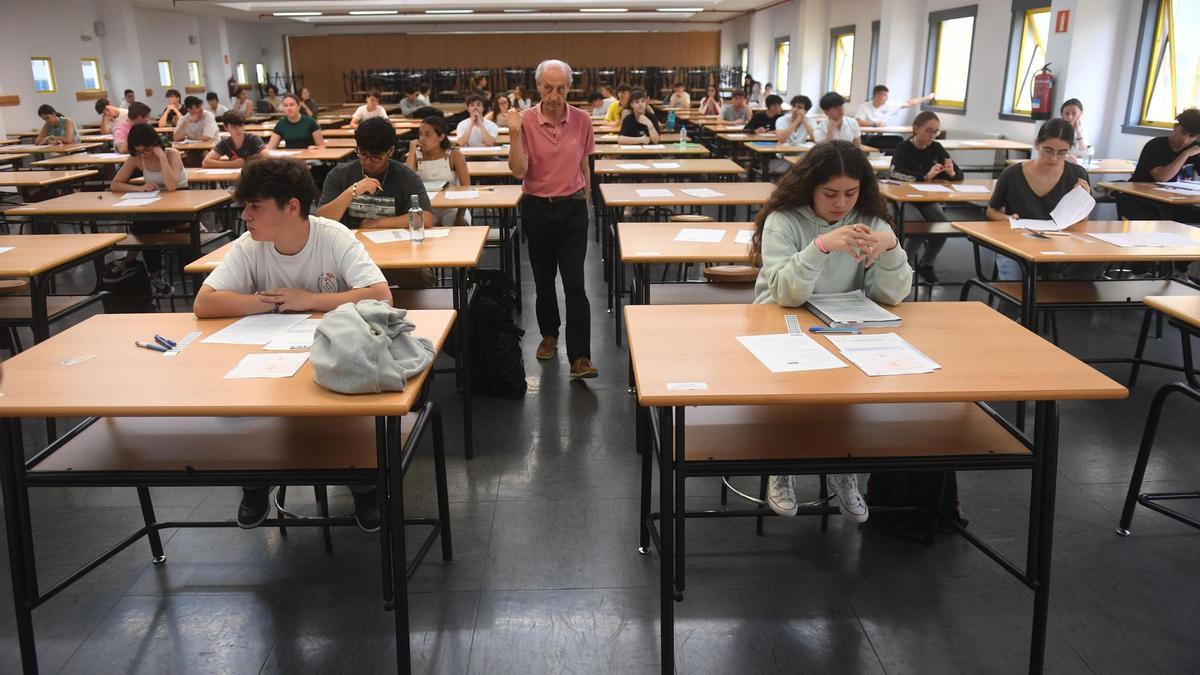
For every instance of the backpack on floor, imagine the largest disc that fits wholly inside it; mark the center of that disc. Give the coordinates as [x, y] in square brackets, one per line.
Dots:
[914, 488]
[128, 289]
[497, 363]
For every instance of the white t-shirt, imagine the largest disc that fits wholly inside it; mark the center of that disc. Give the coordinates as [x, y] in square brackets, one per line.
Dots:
[332, 261]
[194, 131]
[848, 132]
[122, 116]
[362, 113]
[475, 140]
[221, 109]
[797, 137]
[879, 115]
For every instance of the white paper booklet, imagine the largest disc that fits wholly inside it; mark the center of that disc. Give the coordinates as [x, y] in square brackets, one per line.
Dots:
[851, 307]
[705, 236]
[258, 329]
[1072, 208]
[785, 353]
[300, 336]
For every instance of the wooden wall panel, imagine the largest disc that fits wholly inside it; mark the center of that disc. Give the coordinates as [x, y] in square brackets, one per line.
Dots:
[323, 58]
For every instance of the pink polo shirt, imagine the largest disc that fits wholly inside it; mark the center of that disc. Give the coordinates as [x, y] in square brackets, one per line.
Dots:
[555, 151]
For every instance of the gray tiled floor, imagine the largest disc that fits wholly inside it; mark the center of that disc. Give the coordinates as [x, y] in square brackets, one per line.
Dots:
[546, 578]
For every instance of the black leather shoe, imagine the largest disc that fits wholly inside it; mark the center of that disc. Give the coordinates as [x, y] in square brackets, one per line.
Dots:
[256, 503]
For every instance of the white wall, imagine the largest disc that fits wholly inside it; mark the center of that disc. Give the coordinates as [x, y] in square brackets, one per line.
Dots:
[734, 33]
[135, 38]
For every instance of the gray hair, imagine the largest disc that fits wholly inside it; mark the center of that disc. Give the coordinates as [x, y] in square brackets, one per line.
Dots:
[554, 63]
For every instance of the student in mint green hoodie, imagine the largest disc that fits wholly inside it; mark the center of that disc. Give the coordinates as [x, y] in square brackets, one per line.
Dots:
[826, 229]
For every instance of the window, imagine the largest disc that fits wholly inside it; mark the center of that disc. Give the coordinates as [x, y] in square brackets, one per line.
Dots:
[873, 66]
[194, 73]
[241, 73]
[1026, 53]
[948, 58]
[164, 74]
[743, 52]
[1170, 77]
[43, 74]
[783, 48]
[91, 74]
[841, 59]
[261, 71]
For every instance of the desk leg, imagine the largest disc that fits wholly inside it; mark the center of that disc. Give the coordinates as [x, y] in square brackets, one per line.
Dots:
[666, 552]
[395, 503]
[385, 517]
[645, 447]
[618, 268]
[1046, 444]
[20, 543]
[39, 287]
[464, 361]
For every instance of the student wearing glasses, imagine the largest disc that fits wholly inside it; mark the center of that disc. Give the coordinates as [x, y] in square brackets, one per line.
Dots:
[1033, 187]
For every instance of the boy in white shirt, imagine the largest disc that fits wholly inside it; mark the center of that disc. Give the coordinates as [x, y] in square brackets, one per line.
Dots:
[836, 126]
[198, 124]
[475, 131]
[289, 261]
[111, 116]
[370, 109]
[877, 111]
[215, 106]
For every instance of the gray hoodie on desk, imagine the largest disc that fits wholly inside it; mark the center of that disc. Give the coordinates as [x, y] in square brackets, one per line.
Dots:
[793, 268]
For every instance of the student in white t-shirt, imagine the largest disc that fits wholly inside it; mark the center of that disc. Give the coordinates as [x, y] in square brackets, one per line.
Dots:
[476, 131]
[794, 127]
[289, 261]
[370, 109]
[836, 126]
[111, 116]
[877, 112]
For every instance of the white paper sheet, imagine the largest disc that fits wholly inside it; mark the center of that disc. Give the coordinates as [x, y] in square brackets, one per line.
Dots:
[783, 353]
[283, 153]
[254, 366]
[110, 155]
[137, 201]
[1155, 239]
[385, 236]
[255, 330]
[455, 195]
[658, 146]
[687, 386]
[930, 187]
[665, 165]
[432, 186]
[632, 166]
[700, 235]
[1072, 208]
[982, 189]
[702, 193]
[1189, 185]
[5, 249]
[655, 192]
[743, 236]
[300, 336]
[974, 143]
[883, 354]
[437, 232]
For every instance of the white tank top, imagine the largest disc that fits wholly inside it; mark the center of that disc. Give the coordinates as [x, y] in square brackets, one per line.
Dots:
[431, 170]
[155, 177]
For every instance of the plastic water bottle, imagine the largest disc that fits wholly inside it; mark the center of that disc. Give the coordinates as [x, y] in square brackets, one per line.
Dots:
[671, 121]
[1087, 156]
[682, 136]
[416, 221]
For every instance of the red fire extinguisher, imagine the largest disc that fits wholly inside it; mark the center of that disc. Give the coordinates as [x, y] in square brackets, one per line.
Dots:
[1041, 93]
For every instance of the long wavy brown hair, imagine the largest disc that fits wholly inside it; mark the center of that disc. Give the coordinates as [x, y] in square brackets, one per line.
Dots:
[826, 161]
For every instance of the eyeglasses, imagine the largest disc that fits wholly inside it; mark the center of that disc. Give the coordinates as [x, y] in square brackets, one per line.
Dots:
[1051, 152]
[368, 157]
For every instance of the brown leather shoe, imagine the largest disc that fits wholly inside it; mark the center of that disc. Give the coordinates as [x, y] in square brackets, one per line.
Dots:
[582, 368]
[547, 348]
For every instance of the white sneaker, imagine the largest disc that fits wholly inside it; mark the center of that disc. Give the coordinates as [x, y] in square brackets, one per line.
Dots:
[781, 495]
[850, 500]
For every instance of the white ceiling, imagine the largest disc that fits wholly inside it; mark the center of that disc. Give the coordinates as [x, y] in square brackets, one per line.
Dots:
[482, 12]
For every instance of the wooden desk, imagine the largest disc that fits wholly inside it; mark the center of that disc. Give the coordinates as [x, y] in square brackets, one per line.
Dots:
[1098, 167]
[94, 207]
[490, 151]
[12, 157]
[9, 141]
[318, 155]
[38, 257]
[880, 164]
[744, 418]
[1155, 194]
[503, 198]
[489, 169]
[84, 159]
[686, 167]
[894, 130]
[1000, 147]
[26, 181]
[767, 150]
[185, 393]
[651, 150]
[96, 138]
[1078, 247]
[341, 143]
[900, 193]
[1185, 309]
[212, 177]
[51, 149]
[614, 137]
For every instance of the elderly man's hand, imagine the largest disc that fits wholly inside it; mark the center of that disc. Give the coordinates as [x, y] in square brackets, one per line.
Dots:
[513, 117]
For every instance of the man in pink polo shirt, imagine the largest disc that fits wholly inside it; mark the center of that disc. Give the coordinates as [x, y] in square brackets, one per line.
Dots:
[550, 146]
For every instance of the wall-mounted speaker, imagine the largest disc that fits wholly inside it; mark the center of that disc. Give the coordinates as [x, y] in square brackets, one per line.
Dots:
[98, 28]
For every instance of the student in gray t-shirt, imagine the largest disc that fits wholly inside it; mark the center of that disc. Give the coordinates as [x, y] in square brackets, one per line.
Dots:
[737, 110]
[373, 190]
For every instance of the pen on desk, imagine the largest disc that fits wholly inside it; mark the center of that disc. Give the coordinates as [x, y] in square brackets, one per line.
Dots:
[147, 345]
[169, 344]
[854, 330]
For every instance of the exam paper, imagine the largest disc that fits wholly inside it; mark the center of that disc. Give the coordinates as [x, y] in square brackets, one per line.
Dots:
[971, 188]
[930, 187]
[695, 234]
[110, 155]
[433, 185]
[1072, 208]
[883, 354]
[283, 153]
[1156, 239]
[632, 166]
[1189, 185]
[655, 192]
[783, 353]
[255, 330]
[5, 249]
[702, 193]
[300, 336]
[850, 307]
[975, 143]
[665, 165]
[654, 147]
[138, 201]
[743, 236]
[253, 366]
[461, 194]
[385, 236]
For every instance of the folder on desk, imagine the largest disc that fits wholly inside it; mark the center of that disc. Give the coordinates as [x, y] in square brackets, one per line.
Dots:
[851, 307]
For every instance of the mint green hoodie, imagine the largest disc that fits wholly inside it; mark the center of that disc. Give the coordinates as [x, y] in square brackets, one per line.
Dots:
[794, 268]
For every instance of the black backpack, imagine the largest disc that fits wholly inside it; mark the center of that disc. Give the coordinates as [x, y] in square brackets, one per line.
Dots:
[128, 289]
[936, 490]
[497, 364]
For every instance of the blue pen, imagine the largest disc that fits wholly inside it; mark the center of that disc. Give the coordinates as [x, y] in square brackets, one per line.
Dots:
[835, 329]
[169, 344]
[147, 345]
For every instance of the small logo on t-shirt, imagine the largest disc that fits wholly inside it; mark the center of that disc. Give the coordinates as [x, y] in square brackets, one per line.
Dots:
[327, 283]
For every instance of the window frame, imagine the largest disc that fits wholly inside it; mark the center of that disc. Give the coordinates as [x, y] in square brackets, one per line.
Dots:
[261, 74]
[787, 78]
[1016, 42]
[831, 73]
[933, 48]
[49, 66]
[199, 82]
[1140, 82]
[170, 73]
[743, 57]
[240, 72]
[873, 63]
[99, 75]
